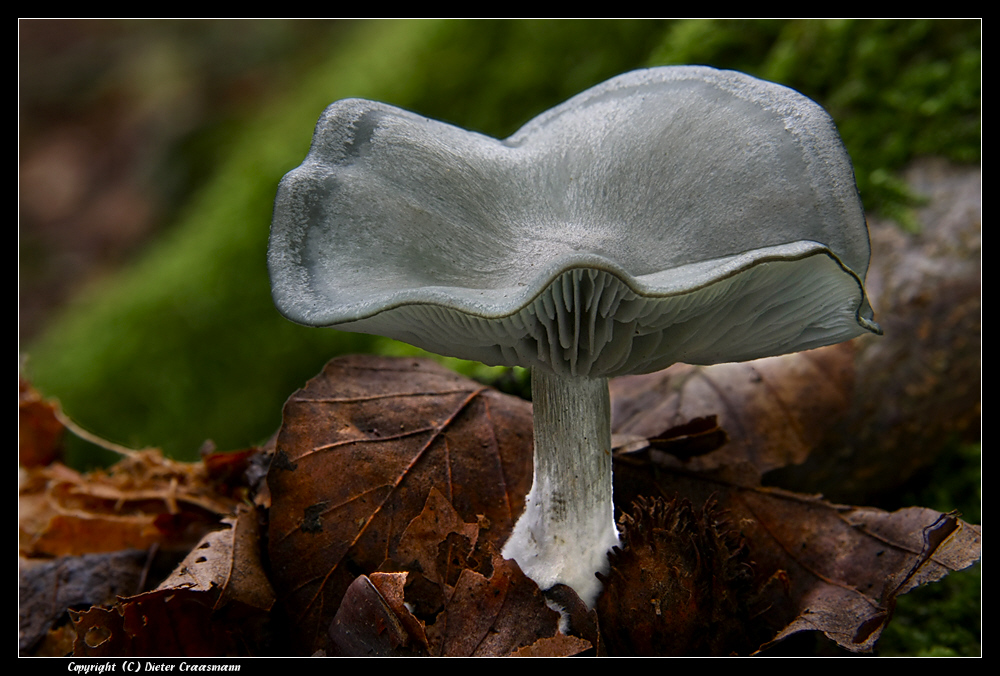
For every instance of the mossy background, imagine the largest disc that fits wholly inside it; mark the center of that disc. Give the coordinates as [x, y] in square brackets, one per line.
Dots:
[182, 344]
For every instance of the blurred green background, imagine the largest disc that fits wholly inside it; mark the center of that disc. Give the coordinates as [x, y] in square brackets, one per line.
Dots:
[151, 150]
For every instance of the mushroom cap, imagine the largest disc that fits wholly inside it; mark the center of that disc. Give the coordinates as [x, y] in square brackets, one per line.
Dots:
[671, 214]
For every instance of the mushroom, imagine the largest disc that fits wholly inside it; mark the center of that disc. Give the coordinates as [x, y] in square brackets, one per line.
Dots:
[670, 214]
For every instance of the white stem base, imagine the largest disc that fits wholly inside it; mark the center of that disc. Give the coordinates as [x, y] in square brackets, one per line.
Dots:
[568, 524]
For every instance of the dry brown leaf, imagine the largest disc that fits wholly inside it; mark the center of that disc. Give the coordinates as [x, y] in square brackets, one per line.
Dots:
[556, 646]
[437, 542]
[48, 587]
[214, 603]
[144, 499]
[897, 552]
[470, 608]
[392, 588]
[226, 564]
[840, 568]
[360, 450]
[367, 624]
[39, 430]
[143, 502]
[495, 616]
[774, 411]
[820, 565]
[160, 623]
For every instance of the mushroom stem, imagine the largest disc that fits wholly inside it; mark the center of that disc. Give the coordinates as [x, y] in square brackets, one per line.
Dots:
[568, 524]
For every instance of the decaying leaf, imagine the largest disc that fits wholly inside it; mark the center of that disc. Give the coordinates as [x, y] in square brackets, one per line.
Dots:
[39, 430]
[483, 616]
[820, 565]
[907, 548]
[48, 587]
[360, 450]
[161, 623]
[112, 530]
[840, 567]
[392, 588]
[214, 603]
[457, 605]
[226, 564]
[437, 543]
[493, 616]
[555, 646]
[144, 499]
[773, 411]
[368, 625]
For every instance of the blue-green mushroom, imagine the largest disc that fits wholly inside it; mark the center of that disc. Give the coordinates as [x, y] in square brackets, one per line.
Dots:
[676, 214]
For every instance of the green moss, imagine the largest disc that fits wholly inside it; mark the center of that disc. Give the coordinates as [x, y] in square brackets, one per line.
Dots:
[938, 620]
